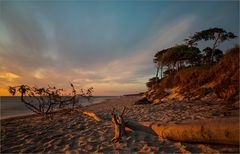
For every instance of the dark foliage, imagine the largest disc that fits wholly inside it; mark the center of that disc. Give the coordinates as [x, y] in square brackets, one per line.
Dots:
[217, 35]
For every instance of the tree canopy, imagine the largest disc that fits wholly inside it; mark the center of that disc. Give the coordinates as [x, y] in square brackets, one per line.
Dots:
[217, 35]
[188, 54]
[174, 57]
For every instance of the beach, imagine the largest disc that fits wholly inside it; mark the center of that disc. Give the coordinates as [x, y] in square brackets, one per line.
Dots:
[116, 76]
[73, 132]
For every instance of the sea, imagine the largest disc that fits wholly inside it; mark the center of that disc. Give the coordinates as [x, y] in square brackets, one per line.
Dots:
[12, 106]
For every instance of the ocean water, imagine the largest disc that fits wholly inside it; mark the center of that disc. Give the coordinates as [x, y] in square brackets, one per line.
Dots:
[11, 106]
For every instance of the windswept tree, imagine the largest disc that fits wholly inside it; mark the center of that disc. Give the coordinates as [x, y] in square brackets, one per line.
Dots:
[170, 58]
[158, 60]
[217, 35]
[176, 57]
[182, 54]
[193, 56]
[207, 55]
[218, 54]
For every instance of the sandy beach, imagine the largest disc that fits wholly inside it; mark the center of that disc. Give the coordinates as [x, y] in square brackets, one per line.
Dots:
[74, 132]
[119, 76]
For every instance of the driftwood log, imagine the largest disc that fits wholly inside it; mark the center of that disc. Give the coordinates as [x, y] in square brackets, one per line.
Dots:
[119, 126]
[220, 131]
[140, 126]
[90, 114]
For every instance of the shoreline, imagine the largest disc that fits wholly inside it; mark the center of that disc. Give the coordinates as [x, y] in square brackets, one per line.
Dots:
[18, 116]
[76, 132]
[30, 113]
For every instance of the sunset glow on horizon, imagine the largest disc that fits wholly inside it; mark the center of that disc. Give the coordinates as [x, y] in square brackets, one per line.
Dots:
[105, 45]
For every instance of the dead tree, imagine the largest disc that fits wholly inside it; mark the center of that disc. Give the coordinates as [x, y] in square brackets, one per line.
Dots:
[44, 101]
[217, 131]
[119, 126]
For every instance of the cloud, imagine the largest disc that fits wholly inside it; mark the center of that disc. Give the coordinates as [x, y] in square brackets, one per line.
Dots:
[174, 32]
[139, 64]
[131, 71]
[8, 76]
[40, 73]
[42, 50]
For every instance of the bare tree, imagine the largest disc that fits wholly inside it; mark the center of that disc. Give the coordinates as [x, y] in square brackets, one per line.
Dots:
[45, 100]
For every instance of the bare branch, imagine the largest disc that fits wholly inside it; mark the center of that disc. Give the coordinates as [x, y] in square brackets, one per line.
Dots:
[113, 111]
[123, 111]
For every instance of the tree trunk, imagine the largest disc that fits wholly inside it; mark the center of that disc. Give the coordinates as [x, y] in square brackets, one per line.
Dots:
[119, 126]
[161, 71]
[157, 71]
[214, 47]
[220, 131]
[29, 105]
[142, 126]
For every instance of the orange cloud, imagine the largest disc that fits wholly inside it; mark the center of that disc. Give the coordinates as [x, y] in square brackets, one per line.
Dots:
[8, 76]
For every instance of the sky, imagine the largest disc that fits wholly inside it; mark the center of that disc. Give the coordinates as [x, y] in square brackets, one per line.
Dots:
[107, 45]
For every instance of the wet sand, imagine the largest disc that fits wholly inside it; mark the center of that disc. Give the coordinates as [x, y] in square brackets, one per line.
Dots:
[74, 132]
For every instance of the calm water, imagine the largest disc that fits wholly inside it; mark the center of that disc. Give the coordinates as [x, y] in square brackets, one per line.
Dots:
[12, 105]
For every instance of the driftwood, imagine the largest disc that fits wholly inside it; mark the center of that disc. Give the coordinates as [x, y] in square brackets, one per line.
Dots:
[119, 126]
[220, 131]
[140, 126]
[90, 114]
